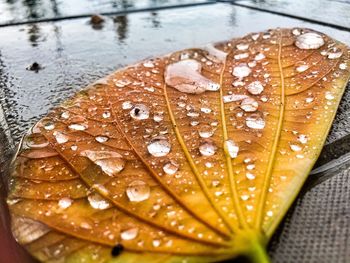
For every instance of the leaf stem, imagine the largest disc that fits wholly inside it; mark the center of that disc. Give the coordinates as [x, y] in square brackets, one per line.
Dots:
[258, 254]
[252, 246]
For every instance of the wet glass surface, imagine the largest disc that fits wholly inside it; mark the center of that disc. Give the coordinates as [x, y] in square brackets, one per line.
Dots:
[27, 10]
[334, 12]
[73, 53]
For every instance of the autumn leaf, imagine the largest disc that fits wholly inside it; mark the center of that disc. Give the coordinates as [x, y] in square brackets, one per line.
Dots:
[191, 157]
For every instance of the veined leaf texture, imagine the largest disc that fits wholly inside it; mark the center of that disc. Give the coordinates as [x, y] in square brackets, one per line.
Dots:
[190, 157]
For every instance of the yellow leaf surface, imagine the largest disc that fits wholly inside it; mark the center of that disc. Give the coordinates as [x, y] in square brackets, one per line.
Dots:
[194, 156]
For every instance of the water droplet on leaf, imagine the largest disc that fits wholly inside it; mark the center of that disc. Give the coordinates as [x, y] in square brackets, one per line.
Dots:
[101, 139]
[241, 71]
[301, 67]
[159, 146]
[49, 126]
[255, 88]
[126, 105]
[65, 115]
[295, 147]
[205, 131]
[309, 41]
[255, 122]
[215, 54]
[60, 137]
[249, 105]
[259, 56]
[234, 97]
[65, 202]
[302, 138]
[242, 46]
[77, 127]
[207, 148]
[171, 167]
[110, 162]
[98, 202]
[129, 234]
[231, 148]
[185, 76]
[140, 112]
[138, 191]
[334, 53]
[329, 96]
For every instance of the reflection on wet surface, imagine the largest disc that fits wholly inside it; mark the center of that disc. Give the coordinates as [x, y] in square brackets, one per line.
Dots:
[73, 53]
[28, 10]
[333, 12]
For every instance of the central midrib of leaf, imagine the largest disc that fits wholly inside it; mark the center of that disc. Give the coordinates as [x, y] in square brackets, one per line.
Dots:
[272, 157]
[192, 164]
[234, 192]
